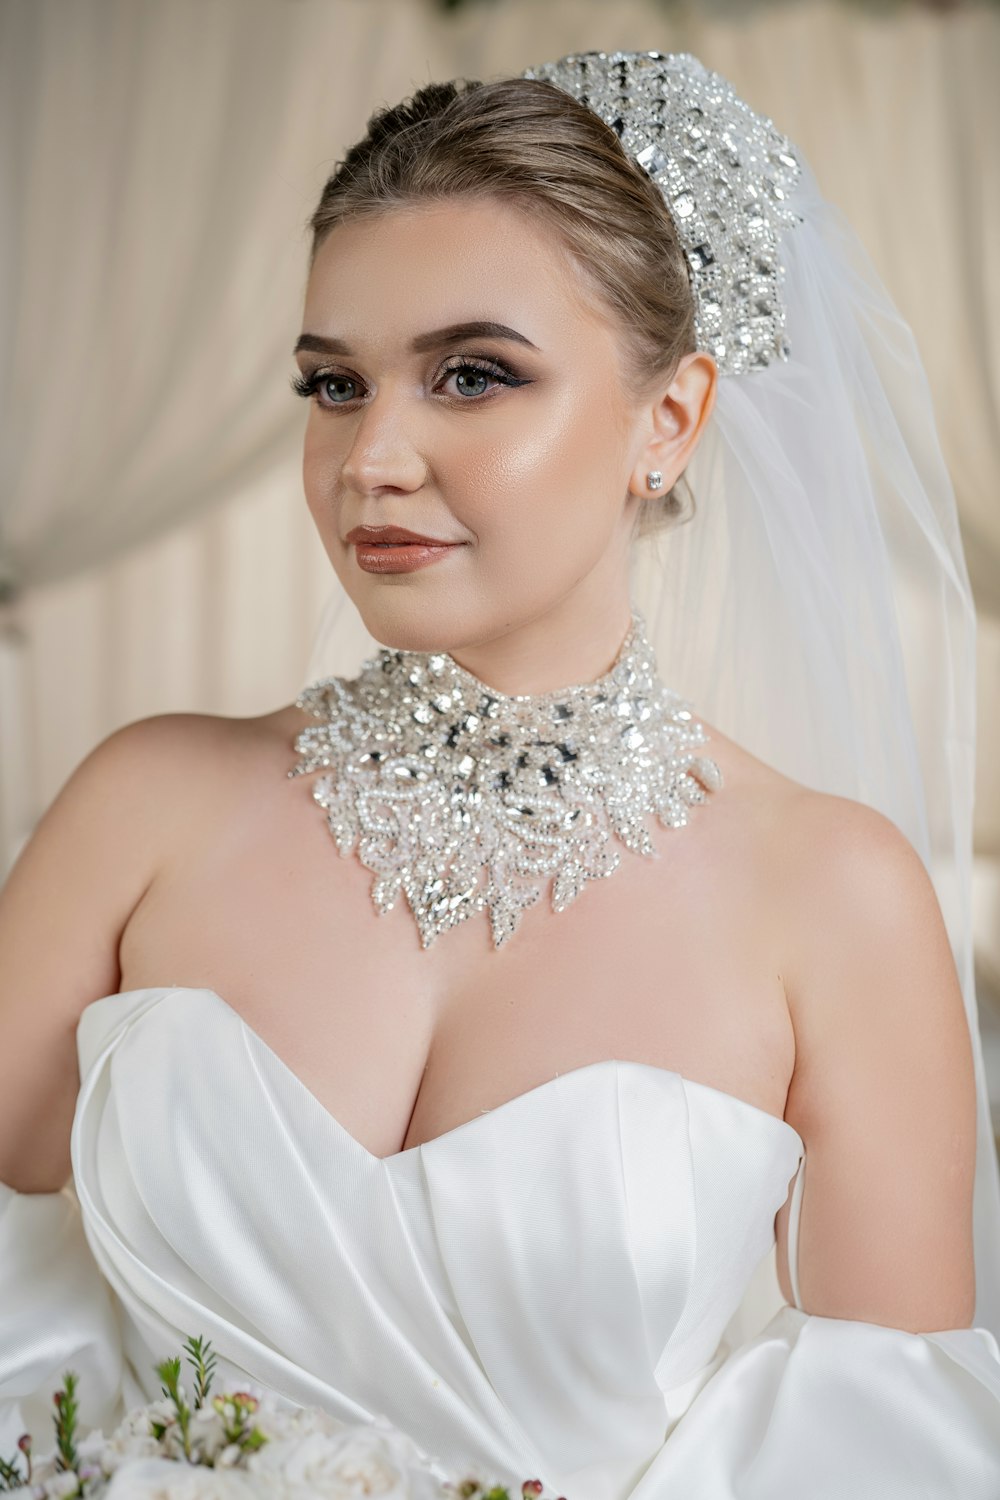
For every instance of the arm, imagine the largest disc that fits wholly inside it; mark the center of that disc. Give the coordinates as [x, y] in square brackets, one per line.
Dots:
[125, 810]
[63, 909]
[883, 1089]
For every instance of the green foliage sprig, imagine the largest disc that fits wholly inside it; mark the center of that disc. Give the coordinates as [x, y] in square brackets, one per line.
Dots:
[169, 1372]
[10, 1477]
[203, 1362]
[235, 1408]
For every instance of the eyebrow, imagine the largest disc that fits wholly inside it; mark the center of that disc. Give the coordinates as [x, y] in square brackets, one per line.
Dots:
[316, 344]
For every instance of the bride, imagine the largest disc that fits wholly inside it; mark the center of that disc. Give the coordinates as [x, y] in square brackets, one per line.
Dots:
[451, 1043]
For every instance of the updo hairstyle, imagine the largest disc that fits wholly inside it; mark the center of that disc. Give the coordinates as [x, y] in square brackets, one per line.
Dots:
[527, 141]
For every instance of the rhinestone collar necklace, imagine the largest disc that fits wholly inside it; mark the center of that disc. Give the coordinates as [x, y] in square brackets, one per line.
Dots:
[466, 799]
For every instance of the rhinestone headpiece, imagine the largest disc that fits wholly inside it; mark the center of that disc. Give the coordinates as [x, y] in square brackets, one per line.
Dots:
[725, 174]
[460, 796]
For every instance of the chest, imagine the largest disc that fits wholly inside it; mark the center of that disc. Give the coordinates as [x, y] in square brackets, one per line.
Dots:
[671, 960]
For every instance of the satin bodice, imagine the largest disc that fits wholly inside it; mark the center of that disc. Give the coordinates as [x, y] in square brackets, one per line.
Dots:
[591, 1236]
[543, 1291]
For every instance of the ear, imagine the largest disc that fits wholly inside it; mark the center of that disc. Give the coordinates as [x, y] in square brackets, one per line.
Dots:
[675, 419]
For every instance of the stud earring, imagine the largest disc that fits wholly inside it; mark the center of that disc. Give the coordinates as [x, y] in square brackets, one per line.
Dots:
[654, 479]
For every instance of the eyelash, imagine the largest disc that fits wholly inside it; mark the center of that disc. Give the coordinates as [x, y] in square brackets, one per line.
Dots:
[308, 385]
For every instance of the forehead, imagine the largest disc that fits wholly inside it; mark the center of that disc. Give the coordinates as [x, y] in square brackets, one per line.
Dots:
[386, 277]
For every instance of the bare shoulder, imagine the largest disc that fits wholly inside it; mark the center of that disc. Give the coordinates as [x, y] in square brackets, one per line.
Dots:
[858, 892]
[194, 752]
[154, 776]
[883, 1086]
[824, 847]
[855, 894]
[146, 793]
[97, 846]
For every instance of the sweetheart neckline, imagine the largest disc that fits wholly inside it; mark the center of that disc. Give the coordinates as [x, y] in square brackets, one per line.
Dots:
[733, 1100]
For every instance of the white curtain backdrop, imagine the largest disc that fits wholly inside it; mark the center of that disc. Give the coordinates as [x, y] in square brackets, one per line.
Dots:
[158, 160]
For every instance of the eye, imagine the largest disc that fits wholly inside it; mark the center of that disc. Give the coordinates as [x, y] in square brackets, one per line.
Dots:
[473, 377]
[344, 388]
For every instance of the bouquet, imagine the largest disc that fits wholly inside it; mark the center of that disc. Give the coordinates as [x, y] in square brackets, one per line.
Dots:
[240, 1445]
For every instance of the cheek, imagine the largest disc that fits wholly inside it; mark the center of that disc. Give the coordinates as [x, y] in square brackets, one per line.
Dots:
[546, 463]
[320, 471]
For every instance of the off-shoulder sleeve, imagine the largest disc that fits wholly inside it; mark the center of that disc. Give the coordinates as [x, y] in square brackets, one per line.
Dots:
[816, 1408]
[56, 1313]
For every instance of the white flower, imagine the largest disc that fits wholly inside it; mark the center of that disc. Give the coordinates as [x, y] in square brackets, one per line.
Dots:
[58, 1486]
[132, 1438]
[345, 1465]
[165, 1479]
[206, 1438]
[231, 1454]
[277, 1421]
[307, 1454]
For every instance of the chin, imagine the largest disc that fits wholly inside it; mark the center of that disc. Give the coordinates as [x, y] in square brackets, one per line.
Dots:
[404, 621]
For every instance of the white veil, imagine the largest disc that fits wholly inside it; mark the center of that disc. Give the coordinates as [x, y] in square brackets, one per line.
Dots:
[817, 609]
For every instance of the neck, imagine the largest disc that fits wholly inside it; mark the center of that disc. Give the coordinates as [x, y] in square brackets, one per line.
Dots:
[562, 648]
[458, 795]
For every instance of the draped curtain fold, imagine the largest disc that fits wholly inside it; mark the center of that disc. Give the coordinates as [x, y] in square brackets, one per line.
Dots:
[158, 164]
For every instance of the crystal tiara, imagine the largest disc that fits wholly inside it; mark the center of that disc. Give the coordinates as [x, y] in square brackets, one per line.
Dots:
[725, 173]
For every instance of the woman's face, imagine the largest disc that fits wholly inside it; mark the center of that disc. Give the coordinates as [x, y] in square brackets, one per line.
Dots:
[467, 385]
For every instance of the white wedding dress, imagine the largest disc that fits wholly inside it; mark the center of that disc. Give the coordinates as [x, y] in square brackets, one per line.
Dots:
[539, 1292]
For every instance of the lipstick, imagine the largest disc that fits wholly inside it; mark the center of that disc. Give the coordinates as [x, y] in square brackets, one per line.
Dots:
[396, 549]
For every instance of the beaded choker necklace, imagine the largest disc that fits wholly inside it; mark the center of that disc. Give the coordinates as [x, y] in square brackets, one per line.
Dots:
[464, 798]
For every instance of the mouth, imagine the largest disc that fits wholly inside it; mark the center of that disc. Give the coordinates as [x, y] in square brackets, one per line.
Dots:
[396, 549]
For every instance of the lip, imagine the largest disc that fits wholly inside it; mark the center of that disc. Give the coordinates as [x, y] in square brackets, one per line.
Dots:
[399, 535]
[395, 549]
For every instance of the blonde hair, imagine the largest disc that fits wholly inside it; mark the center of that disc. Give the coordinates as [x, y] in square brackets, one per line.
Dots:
[528, 142]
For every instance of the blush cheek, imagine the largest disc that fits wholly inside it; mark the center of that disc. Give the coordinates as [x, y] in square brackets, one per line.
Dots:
[311, 472]
[541, 513]
[321, 486]
[568, 471]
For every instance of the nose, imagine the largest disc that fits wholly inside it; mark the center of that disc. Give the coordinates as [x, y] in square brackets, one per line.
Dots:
[381, 456]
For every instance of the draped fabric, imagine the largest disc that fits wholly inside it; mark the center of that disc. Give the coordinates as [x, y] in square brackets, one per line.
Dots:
[541, 1291]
